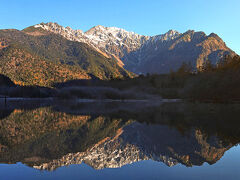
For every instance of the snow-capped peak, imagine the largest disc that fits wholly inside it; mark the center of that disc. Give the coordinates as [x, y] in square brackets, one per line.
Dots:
[67, 32]
[113, 36]
[111, 41]
[112, 30]
[170, 35]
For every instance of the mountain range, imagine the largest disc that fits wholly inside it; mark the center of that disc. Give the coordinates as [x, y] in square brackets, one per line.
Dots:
[147, 54]
[46, 53]
[46, 59]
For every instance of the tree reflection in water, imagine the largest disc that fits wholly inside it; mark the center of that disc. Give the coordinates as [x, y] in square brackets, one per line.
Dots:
[47, 135]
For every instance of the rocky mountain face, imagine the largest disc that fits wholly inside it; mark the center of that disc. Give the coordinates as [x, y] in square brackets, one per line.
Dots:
[45, 54]
[110, 41]
[147, 54]
[33, 57]
[162, 56]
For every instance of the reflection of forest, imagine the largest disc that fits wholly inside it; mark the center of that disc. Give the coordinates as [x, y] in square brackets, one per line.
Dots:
[49, 135]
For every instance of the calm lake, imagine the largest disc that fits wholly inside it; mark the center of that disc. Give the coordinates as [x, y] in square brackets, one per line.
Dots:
[46, 139]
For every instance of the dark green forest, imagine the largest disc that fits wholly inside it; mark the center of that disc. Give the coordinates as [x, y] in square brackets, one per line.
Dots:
[214, 83]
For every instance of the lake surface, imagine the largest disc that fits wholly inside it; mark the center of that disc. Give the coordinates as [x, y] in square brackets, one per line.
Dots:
[46, 139]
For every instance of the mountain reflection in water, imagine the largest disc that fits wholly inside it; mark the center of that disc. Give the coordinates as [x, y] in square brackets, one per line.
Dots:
[46, 134]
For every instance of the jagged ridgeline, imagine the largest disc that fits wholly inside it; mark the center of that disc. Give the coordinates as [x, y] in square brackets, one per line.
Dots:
[36, 57]
[147, 54]
[48, 53]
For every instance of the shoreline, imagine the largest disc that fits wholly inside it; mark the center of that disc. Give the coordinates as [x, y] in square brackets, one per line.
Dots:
[88, 100]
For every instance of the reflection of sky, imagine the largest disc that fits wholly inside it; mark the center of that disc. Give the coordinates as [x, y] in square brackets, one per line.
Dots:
[226, 168]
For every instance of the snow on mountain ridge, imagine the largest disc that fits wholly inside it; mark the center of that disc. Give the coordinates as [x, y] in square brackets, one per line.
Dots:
[147, 54]
[109, 41]
[108, 36]
[103, 36]
[67, 32]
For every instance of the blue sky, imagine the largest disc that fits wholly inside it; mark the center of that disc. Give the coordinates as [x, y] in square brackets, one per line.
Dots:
[148, 17]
